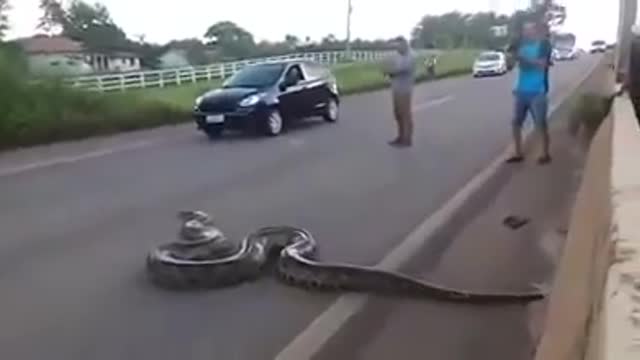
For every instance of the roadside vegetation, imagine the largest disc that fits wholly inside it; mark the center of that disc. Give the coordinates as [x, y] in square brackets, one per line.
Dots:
[588, 114]
[47, 111]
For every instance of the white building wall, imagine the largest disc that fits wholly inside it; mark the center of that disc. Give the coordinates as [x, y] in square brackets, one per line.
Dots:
[123, 64]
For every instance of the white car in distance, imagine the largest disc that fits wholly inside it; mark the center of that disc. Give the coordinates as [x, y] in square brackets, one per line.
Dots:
[598, 46]
[490, 63]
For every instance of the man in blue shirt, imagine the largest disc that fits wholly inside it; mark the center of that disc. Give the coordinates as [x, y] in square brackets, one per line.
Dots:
[533, 54]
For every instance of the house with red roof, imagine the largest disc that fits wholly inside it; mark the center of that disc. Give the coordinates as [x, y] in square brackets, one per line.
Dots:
[60, 54]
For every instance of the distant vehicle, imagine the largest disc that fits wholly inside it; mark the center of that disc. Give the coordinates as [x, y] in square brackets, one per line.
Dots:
[490, 63]
[564, 46]
[598, 46]
[511, 61]
[565, 54]
[264, 97]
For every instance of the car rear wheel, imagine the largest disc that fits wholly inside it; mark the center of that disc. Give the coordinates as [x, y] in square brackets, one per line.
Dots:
[332, 111]
[214, 131]
[272, 124]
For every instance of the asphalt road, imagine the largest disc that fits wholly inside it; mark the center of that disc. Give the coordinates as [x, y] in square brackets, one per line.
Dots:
[76, 224]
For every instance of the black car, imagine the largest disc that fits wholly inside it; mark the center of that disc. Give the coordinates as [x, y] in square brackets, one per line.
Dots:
[265, 97]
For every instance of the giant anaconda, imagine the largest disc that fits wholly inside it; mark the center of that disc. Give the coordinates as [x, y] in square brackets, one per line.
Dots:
[204, 258]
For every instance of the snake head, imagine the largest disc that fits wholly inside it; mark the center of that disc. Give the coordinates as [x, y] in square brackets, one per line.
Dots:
[197, 226]
[195, 215]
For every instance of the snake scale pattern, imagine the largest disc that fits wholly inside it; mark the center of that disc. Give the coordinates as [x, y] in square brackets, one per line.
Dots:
[203, 258]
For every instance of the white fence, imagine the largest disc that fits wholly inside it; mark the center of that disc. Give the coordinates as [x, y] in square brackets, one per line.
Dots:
[162, 78]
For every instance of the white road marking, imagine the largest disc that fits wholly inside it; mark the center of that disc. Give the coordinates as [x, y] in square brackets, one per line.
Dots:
[432, 103]
[72, 159]
[311, 340]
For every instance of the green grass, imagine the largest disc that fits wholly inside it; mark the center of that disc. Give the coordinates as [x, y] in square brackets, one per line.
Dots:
[180, 97]
[47, 111]
[51, 112]
[367, 77]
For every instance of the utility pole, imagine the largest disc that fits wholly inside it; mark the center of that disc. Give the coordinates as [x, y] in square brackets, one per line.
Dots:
[348, 47]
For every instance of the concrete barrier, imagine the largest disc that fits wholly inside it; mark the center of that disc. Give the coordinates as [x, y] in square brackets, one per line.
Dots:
[594, 307]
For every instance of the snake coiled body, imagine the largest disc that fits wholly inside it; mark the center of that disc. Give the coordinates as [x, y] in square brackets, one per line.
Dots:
[210, 261]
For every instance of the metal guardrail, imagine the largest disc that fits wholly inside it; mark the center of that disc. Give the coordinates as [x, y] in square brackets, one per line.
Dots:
[172, 77]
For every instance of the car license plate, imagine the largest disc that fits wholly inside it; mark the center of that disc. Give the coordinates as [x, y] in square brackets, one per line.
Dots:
[214, 119]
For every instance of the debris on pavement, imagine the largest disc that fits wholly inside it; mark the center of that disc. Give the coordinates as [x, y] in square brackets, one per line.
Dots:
[515, 222]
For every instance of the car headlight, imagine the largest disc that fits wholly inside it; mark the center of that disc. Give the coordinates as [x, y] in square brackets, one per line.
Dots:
[250, 100]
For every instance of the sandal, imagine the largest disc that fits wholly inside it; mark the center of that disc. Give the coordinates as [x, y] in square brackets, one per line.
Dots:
[544, 160]
[515, 159]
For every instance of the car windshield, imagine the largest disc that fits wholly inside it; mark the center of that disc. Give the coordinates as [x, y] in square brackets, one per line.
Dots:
[256, 76]
[489, 57]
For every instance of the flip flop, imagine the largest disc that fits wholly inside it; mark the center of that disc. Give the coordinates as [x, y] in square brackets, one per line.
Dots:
[544, 160]
[515, 159]
[400, 145]
[515, 222]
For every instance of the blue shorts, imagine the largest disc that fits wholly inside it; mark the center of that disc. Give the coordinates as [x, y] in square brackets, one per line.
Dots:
[533, 103]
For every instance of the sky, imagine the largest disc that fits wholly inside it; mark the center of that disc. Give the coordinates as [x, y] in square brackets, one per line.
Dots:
[588, 19]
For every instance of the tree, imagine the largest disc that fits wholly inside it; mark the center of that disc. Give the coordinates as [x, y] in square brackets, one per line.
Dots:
[149, 53]
[455, 29]
[4, 18]
[232, 40]
[550, 12]
[195, 51]
[329, 39]
[93, 26]
[53, 18]
[90, 24]
[292, 41]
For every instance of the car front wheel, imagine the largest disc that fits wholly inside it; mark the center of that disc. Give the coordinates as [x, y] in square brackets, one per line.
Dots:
[332, 111]
[272, 124]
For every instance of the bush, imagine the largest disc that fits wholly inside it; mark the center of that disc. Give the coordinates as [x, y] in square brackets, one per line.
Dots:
[589, 112]
[364, 77]
[47, 111]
